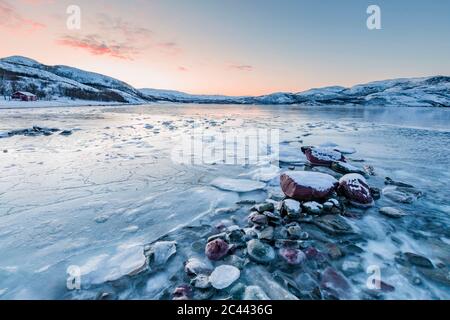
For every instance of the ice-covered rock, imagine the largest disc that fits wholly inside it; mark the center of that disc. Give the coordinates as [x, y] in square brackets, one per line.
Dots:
[260, 252]
[306, 186]
[392, 212]
[266, 206]
[195, 266]
[223, 276]
[355, 188]
[320, 156]
[344, 167]
[291, 208]
[237, 185]
[338, 148]
[313, 207]
[401, 195]
[159, 253]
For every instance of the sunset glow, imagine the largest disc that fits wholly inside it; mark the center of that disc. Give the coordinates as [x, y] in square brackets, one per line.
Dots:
[231, 47]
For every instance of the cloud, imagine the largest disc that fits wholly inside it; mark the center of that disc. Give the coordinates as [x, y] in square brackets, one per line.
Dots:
[169, 47]
[118, 38]
[242, 67]
[97, 46]
[122, 28]
[11, 18]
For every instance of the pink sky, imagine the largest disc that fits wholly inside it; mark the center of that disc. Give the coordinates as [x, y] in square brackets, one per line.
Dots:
[211, 47]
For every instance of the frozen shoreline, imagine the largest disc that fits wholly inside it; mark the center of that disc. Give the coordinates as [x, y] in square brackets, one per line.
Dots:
[96, 197]
[14, 104]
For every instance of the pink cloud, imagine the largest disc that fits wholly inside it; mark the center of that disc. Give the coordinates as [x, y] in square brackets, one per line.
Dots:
[118, 38]
[241, 67]
[12, 19]
[96, 46]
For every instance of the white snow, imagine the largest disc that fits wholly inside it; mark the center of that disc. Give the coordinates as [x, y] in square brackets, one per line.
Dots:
[326, 154]
[312, 206]
[353, 181]
[315, 180]
[430, 91]
[59, 102]
[292, 205]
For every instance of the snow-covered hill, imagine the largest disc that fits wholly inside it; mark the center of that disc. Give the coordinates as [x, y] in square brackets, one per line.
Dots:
[62, 82]
[426, 92]
[59, 82]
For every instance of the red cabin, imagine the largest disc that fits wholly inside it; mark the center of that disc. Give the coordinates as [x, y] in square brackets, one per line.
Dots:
[24, 96]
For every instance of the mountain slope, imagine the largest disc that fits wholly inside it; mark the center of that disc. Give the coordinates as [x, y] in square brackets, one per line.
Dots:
[424, 92]
[53, 82]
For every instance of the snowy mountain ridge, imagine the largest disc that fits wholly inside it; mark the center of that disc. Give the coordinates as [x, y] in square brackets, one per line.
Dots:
[62, 82]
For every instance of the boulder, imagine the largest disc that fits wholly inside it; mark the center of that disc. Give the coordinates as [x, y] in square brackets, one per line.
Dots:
[307, 186]
[216, 249]
[355, 188]
[322, 156]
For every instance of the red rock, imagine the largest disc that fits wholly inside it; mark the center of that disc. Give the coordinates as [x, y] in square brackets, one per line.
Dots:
[307, 186]
[216, 249]
[183, 292]
[355, 188]
[322, 156]
[335, 283]
[292, 256]
[314, 254]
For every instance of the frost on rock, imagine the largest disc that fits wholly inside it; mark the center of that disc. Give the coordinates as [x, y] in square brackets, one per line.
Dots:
[344, 167]
[313, 207]
[355, 188]
[237, 185]
[292, 205]
[322, 156]
[338, 148]
[223, 276]
[306, 185]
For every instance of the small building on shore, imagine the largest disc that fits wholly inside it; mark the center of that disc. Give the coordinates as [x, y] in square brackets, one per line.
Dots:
[24, 96]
